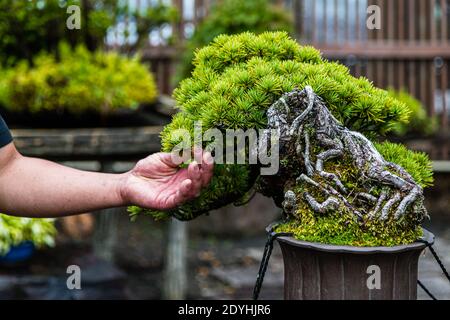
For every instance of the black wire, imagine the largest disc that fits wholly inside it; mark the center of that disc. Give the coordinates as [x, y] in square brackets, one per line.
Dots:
[441, 265]
[265, 261]
[263, 267]
[426, 290]
[436, 257]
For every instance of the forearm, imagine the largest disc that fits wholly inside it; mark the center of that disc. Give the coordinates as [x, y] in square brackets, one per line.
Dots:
[39, 188]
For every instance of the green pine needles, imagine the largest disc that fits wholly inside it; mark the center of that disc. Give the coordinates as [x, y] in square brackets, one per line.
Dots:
[237, 78]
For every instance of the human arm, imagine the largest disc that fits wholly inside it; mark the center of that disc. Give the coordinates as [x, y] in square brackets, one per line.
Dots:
[40, 188]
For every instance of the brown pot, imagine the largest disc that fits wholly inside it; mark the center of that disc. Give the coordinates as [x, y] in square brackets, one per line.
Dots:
[315, 271]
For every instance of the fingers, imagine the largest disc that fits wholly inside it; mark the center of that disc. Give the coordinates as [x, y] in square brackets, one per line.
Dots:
[194, 173]
[190, 180]
[174, 160]
[171, 202]
[168, 159]
[198, 154]
[180, 196]
[201, 174]
[204, 158]
[185, 190]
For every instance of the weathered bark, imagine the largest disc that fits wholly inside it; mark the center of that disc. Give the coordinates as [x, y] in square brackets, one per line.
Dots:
[310, 136]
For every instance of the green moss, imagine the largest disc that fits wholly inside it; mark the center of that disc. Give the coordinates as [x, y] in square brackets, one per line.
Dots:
[341, 227]
[337, 229]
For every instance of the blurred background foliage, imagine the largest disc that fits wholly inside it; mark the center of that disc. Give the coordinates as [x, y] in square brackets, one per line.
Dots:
[46, 66]
[29, 27]
[232, 17]
[15, 231]
[420, 123]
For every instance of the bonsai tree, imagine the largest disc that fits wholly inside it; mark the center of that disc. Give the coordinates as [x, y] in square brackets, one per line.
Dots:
[14, 231]
[81, 81]
[335, 183]
[232, 17]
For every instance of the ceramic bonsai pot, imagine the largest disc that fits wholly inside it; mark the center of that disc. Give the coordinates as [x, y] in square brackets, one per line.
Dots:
[315, 271]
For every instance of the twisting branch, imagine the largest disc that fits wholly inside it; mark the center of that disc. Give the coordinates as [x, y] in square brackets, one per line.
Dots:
[306, 125]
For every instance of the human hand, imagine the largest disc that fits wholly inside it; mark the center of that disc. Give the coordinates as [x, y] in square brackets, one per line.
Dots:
[156, 182]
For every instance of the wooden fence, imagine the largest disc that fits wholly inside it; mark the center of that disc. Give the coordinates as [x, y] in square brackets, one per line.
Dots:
[410, 51]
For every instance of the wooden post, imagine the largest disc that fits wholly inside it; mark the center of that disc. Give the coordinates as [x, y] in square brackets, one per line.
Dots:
[175, 284]
[106, 226]
[179, 25]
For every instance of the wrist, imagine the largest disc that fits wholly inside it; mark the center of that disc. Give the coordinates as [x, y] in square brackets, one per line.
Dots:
[121, 189]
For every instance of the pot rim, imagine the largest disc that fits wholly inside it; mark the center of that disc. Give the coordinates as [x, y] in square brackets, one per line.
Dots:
[427, 236]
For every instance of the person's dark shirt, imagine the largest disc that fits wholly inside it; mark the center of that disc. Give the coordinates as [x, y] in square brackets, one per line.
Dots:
[5, 134]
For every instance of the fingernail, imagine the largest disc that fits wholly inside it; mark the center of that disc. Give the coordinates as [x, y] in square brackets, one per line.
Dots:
[196, 166]
[208, 158]
[188, 184]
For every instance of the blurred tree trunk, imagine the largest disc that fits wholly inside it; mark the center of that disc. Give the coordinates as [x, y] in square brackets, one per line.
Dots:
[174, 287]
[106, 226]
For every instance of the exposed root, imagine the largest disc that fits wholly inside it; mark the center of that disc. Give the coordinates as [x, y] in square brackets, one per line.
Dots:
[328, 205]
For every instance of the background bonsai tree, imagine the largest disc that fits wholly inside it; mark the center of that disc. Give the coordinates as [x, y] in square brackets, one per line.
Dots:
[236, 83]
[29, 27]
[232, 17]
[46, 66]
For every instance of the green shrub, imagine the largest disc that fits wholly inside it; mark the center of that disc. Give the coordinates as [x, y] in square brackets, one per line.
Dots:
[32, 26]
[419, 122]
[237, 78]
[80, 81]
[232, 17]
[14, 231]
